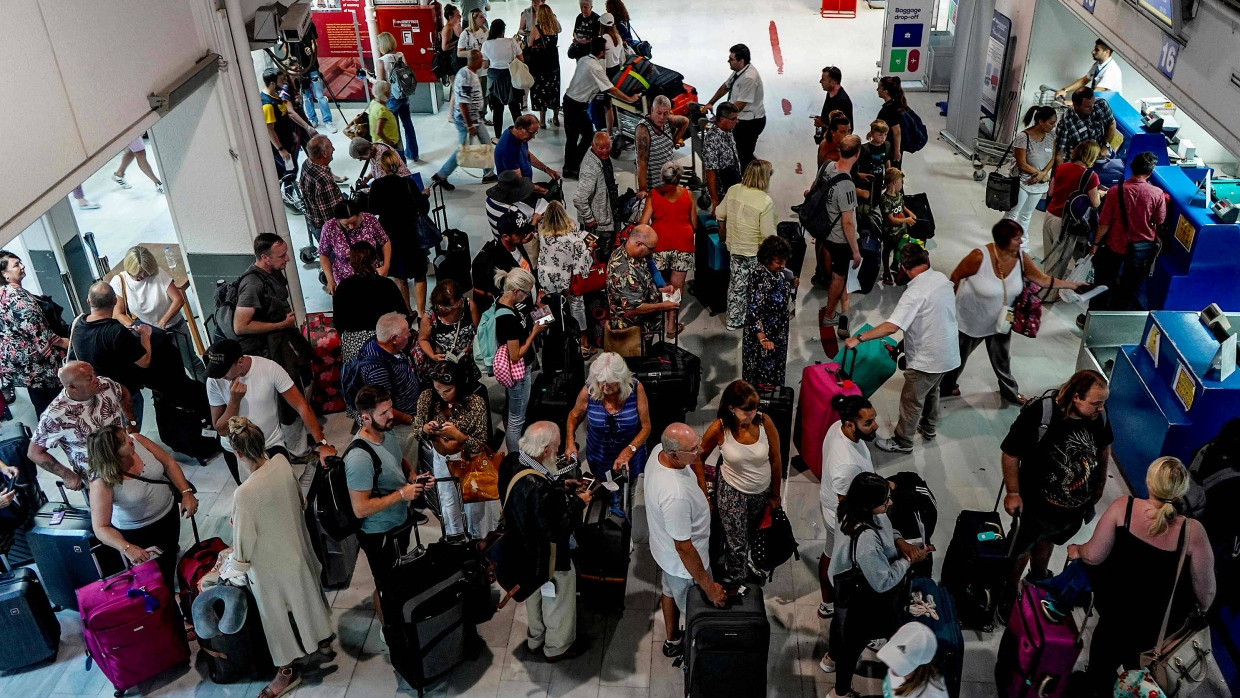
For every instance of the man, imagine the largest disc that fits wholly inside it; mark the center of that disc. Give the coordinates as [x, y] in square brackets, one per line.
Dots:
[631, 292]
[263, 305]
[381, 484]
[505, 252]
[1090, 120]
[1103, 76]
[657, 136]
[512, 153]
[596, 194]
[113, 350]
[87, 404]
[513, 194]
[744, 89]
[720, 160]
[312, 91]
[678, 517]
[840, 245]
[254, 387]
[541, 512]
[468, 107]
[585, 30]
[926, 314]
[844, 456]
[383, 363]
[1055, 460]
[320, 190]
[837, 99]
[589, 79]
[1128, 225]
[279, 127]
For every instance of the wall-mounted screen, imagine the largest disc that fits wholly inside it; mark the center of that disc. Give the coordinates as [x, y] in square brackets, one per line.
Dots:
[1166, 13]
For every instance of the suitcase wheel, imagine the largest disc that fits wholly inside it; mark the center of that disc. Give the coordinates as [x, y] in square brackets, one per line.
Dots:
[703, 201]
[308, 255]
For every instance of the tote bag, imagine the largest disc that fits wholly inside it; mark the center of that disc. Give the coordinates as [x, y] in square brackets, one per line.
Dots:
[519, 74]
[475, 156]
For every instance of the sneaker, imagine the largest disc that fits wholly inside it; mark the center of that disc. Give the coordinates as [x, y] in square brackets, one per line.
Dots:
[332, 126]
[832, 321]
[443, 182]
[88, 205]
[314, 124]
[826, 610]
[490, 179]
[841, 329]
[159, 188]
[927, 435]
[827, 664]
[892, 446]
[121, 181]
[673, 649]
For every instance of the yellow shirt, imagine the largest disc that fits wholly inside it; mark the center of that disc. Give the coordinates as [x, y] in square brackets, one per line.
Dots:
[391, 132]
[750, 217]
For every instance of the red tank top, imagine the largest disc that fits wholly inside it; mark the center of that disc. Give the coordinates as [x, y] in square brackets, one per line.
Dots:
[673, 221]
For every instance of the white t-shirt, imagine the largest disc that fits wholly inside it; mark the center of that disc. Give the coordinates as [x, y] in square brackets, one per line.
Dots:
[500, 52]
[676, 509]
[1107, 76]
[1037, 154]
[148, 298]
[927, 315]
[264, 383]
[588, 80]
[615, 52]
[471, 41]
[842, 460]
[746, 86]
[467, 90]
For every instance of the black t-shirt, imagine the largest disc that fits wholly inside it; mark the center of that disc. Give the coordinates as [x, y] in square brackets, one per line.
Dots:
[514, 326]
[586, 26]
[397, 203]
[308, 60]
[842, 102]
[1062, 468]
[267, 294]
[893, 115]
[111, 348]
[362, 299]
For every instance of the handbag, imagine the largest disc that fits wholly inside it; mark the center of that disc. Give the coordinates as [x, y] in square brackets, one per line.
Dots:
[589, 282]
[478, 156]
[640, 46]
[53, 314]
[625, 342]
[854, 593]
[478, 476]
[1027, 309]
[1002, 190]
[507, 372]
[1180, 664]
[443, 65]
[519, 74]
[429, 235]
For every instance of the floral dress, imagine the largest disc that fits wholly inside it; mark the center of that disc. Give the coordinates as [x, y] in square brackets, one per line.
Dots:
[771, 298]
[334, 244]
[561, 256]
[449, 338]
[27, 357]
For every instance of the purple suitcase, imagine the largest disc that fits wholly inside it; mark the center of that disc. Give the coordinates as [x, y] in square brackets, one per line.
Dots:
[1038, 650]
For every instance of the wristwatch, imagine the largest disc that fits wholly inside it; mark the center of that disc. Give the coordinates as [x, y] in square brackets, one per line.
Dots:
[632, 448]
[321, 442]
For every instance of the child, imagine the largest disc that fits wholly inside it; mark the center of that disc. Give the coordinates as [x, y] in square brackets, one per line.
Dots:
[909, 656]
[873, 162]
[896, 216]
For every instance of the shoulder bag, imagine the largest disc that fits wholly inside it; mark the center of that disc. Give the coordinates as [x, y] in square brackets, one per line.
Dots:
[519, 74]
[478, 475]
[507, 372]
[591, 281]
[475, 156]
[855, 597]
[1002, 190]
[1027, 309]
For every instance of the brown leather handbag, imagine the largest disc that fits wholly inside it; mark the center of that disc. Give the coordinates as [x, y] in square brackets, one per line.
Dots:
[625, 342]
[478, 475]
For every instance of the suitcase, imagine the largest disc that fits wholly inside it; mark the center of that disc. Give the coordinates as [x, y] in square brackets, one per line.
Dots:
[681, 102]
[792, 233]
[975, 572]
[27, 622]
[672, 377]
[819, 383]
[726, 648]
[1038, 650]
[1110, 171]
[131, 626]
[712, 266]
[17, 518]
[552, 397]
[942, 620]
[198, 560]
[666, 82]
[635, 75]
[919, 204]
[871, 364]
[871, 248]
[239, 656]
[777, 403]
[66, 551]
[325, 363]
[602, 555]
[453, 260]
[181, 416]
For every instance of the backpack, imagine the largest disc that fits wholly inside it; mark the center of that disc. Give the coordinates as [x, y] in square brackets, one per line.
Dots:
[226, 308]
[813, 209]
[329, 493]
[484, 339]
[1208, 500]
[1045, 403]
[913, 136]
[352, 379]
[401, 77]
[1080, 218]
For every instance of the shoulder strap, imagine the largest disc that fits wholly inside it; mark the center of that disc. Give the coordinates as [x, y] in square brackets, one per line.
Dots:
[70, 353]
[1048, 413]
[513, 483]
[1128, 513]
[1083, 186]
[1006, 152]
[1219, 477]
[1179, 569]
[1123, 208]
[364, 445]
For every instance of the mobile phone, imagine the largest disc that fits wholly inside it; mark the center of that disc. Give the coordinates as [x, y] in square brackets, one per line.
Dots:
[424, 477]
[591, 238]
[58, 516]
[742, 590]
[587, 483]
[1086, 288]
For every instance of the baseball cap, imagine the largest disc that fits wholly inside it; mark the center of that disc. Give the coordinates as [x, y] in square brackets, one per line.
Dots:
[221, 356]
[607, 19]
[913, 644]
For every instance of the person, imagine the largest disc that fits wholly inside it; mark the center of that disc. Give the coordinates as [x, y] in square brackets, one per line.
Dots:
[596, 195]
[671, 210]
[372, 154]
[633, 299]
[1104, 75]
[385, 363]
[361, 299]
[845, 455]
[320, 191]
[1055, 476]
[1068, 178]
[746, 217]
[512, 153]
[149, 295]
[543, 56]
[872, 164]
[586, 28]
[513, 197]
[448, 330]
[721, 164]
[589, 79]
[525, 25]
[472, 38]
[468, 111]
[620, 13]
[540, 513]
[838, 127]
[1149, 534]
[1090, 119]
[115, 351]
[911, 667]
[390, 108]
[926, 313]
[613, 406]
[896, 219]
[867, 542]
[988, 281]
[678, 518]
[1034, 150]
[744, 89]
[750, 475]
[253, 387]
[1127, 238]
[841, 243]
[87, 404]
[132, 507]
[515, 332]
[136, 150]
[836, 99]
[84, 204]
[312, 87]
[450, 36]
[615, 46]
[272, 549]
[891, 92]
[264, 311]
[564, 251]
[499, 52]
[501, 254]
[398, 204]
[771, 300]
[350, 224]
[30, 349]
[657, 136]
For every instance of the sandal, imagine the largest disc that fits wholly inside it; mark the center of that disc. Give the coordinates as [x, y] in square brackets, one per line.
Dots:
[293, 681]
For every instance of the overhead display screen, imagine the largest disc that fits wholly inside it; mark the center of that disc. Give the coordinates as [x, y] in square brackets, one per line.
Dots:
[1165, 12]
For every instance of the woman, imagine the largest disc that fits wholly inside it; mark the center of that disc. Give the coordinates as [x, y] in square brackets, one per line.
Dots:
[749, 477]
[1069, 178]
[1146, 537]
[395, 106]
[361, 299]
[617, 10]
[543, 56]
[132, 506]
[448, 330]
[30, 351]
[349, 224]
[372, 154]
[383, 126]
[772, 298]
[1034, 149]
[399, 204]
[617, 417]
[515, 332]
[563, 251]
[616, 48]
[499, 52]
[912, 671]
[988, 281]
[272, 547]
[838, 126]
[450, 37]
[892, 112]
[670, 210]
[148, 294]
[746, 216]
[867, 541]
[472, 38]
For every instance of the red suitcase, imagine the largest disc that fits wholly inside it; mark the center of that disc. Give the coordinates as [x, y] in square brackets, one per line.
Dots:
[819, 383]
[1038, 650]
[681, 102]
[325, 363]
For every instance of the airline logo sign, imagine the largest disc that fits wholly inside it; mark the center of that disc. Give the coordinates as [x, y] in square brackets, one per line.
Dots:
[906, 38]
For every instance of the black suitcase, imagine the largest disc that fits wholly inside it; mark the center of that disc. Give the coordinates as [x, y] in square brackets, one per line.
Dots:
[710, 281]
[792, 233]
[779, 403]
[726, 648]
[338, 557]
[17, 518]
[66, 551]
[666, 82]
[976, 572]
[27, 622]
[672, 378]
[552, 397]
[239, 656]
[919, 204]
[181, 417]
[602, 555]
[453, 260]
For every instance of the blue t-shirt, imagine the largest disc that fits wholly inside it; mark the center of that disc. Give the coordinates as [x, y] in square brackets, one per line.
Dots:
[359, 472]
[511, 153]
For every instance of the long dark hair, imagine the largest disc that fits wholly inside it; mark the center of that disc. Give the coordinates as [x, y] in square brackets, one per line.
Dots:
[739, 395]
[895, 92]
[1039, 114]
[867, 491]
[497, 29]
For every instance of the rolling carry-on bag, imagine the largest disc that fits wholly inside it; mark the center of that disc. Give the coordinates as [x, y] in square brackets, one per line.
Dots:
[681, 102]
[552, 397]
[66, 551]
[672, 378]
[792, 233]
[181, 415]
[18, 517]
[819, 384]
[975, 572]
[1038, 650]
[871, 364]
[325, 362]
[930, 605]
[666, 82]
[602, 554]
[726, 648]
[777, 403]
[27, 622]
[241, 655]
[454, 261]
[919, 204]
[635, 75]
[712, 266]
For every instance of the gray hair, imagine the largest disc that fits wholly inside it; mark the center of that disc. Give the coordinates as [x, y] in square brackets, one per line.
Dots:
[315, 148]
[726, 110]
[609, 367]
[390, 325]
[382, 90]
[101, 296]
[515, 279]
[674, 435]
[359, 148]
[661, 101]
[670, 172]
[538, 437]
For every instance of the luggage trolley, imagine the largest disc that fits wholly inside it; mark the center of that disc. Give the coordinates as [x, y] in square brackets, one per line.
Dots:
[628, 116]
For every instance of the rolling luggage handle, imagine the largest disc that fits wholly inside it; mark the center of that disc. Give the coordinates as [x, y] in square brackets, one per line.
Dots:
[1015, 520]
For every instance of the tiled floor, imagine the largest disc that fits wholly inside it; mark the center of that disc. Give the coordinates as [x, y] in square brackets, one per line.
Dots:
[962, 465]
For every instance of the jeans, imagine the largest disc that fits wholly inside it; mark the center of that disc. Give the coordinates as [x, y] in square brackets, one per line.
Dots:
[312, 94]
[450, 503]
[1026, 204]
[1123, 275]
[315, 232]
[138, 402]
[400, 108]
[518, 401]
[462, 132]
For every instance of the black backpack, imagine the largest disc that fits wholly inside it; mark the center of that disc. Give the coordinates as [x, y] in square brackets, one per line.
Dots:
[329, 493]
[402, 79]
[773, 544]
[813, 211]
[1080, 218]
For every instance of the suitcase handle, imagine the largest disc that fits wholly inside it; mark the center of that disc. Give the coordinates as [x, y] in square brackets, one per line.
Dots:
[1046, 686]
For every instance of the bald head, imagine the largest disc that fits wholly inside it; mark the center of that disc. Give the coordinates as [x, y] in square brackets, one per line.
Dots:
[642, 242]
[101, 296]
[79, 380]
[601, 145]
[679, 437]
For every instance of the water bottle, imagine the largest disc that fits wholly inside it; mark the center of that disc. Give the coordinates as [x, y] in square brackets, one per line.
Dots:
[169, 258]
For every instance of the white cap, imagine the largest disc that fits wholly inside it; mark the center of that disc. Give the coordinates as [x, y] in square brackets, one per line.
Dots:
[607, 20]
[913, 644]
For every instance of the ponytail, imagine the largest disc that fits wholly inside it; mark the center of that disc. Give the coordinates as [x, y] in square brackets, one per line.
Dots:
[1167, 481]
[1038, 113]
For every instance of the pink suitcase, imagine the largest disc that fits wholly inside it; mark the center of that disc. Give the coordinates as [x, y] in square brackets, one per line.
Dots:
[1038, 650]
[819, 383]
[131, 626]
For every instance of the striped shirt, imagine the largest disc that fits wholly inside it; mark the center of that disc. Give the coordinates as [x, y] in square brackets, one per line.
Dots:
[660, 152]
[496, 211]
[394, 372]
[607, 434]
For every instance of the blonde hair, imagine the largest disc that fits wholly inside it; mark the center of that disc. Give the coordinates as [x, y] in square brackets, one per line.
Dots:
[515, 279]
[381, 87]
[555, 220]
[922, 677]
[387, 43]
[103, 454]
[609, 367]
[545, 20]
[757, 175]
[879, 126]
[139, 259]
[892, 175]
[390, 162]
[1167, 481]
[246, 439]
[1087, 152]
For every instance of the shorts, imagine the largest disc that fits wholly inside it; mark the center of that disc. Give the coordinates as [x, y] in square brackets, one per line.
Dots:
[1046, 522]
[677, 589]
[674, 260]
[137, 146]
[828, 529]
[382, 552]
[841, 257]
